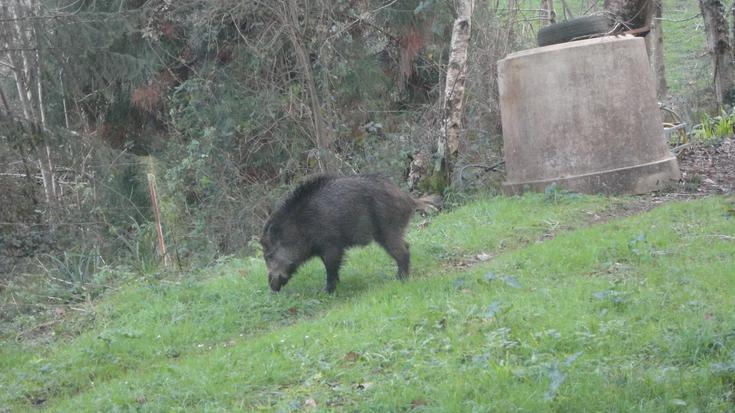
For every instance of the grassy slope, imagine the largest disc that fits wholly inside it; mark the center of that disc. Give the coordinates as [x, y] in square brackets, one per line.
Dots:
[633, 315]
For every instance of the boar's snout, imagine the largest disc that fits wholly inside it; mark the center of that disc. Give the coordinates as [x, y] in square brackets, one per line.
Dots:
[276, 282]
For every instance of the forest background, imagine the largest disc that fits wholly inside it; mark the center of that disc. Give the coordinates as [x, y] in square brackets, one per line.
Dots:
[219, 107]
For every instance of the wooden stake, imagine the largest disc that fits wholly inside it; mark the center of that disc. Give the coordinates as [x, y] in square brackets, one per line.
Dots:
[157, 214]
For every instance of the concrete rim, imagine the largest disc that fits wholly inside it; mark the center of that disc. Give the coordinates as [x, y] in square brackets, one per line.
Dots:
[562, 46]
[643, 178]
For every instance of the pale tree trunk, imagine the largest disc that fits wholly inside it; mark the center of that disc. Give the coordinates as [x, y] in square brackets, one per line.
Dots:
[22, 11]
[34, 9]
[718, 43]
[451, 123]
[63, 100]
[15, 54]
[656, 39]
[547, 14]
[20, 36]
[732, 13]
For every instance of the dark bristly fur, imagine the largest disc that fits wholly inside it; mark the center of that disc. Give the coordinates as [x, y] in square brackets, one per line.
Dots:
[326, 215]
[297, 196]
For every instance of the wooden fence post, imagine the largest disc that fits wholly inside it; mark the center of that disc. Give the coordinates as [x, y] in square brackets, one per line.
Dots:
[157, 214]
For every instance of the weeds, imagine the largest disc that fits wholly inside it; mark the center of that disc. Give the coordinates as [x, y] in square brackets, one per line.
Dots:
[714, 127]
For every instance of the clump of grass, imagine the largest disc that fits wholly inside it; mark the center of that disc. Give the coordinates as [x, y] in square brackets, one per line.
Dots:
[714, 127]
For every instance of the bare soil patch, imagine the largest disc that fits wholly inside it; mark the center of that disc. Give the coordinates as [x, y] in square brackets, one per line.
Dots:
[708, 169]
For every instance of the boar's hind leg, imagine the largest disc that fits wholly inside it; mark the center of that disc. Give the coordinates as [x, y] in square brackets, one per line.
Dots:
[398, 249]
[332, 260]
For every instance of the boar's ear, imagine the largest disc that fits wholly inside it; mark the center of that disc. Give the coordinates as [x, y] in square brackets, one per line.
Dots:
[270, 229]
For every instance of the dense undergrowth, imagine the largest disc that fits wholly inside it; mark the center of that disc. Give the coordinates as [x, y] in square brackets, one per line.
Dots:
[515, 304]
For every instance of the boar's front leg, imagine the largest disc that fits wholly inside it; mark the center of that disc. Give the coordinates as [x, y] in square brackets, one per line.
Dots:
[332, 259]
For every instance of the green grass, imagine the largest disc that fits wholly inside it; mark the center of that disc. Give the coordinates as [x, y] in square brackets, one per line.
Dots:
[688, 66]
[632, 315]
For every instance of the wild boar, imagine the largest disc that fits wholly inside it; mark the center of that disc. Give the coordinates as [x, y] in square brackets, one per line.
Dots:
[326, 215]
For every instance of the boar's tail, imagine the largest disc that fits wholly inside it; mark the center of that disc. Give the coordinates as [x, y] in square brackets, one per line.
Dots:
[429, 201]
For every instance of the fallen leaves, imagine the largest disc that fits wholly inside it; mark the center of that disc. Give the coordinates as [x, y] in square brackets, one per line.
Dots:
[708, 168]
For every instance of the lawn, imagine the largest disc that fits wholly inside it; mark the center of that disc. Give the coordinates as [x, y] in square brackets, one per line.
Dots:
[537, 303]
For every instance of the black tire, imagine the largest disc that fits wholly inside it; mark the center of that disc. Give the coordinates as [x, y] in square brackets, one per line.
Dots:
[574, 29]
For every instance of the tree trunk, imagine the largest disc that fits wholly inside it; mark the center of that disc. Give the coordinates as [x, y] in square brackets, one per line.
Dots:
[512, 20]
[35, 28]
[451, 123]
[547, 15]
[21, 37]
[323, 136]
[4, 102]
[718, 43]
[630, 14]
[24, 35]
[12, 42]
[732, 13]
[657, 46]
